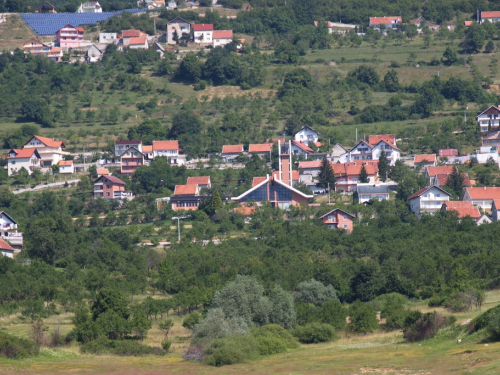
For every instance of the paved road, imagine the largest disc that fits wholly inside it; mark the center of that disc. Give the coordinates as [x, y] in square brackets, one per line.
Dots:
[44, 186]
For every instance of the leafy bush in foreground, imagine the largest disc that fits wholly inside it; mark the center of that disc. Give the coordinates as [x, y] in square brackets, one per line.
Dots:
[313, 333]
[483, 320]
[230, 350]
[273, 339]
[15, 347]
[124, 348]
[425, 327]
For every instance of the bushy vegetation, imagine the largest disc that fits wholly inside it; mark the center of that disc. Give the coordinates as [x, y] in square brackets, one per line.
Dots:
[14, 347]
[121, 347]
[314, 333]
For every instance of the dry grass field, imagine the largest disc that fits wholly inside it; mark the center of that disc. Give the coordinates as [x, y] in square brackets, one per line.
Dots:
[379, 353]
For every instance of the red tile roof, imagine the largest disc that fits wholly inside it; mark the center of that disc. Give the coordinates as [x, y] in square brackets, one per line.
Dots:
[147, 148]
[423, 190]
[49, 142]
[497, 204]
[384, 20]
[203, 27]
[131, 33]
[138, 41]
[165, 145]
[463, 208]
[5, 246]
[232, 149]
[354, 168]
[468, 23]
[301, 145]
[483, 192]
[22, 153]
[80, 29]
[443, 178]
[65, 163]
[102, 171]
[494, 14]
[258, 180]
[429, 158]
[198, 180]
[448, 152]
[113, 180]
[185, 189]
[444, 169]
[389, 138]
[310, 164]
[244, 210]
[222, 34]
[262, 147]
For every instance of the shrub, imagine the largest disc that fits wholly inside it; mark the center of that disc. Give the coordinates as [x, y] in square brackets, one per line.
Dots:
[424, 328]
[191, 320]
[333, 313]
[314, 292]
[202, 85]
[482, 320]
[306, 313]
[436, 301]
[165, 344]
[15, 347]
[273, 339]
[230, 350]
[124, 348]
[363, 317]
[314, 332]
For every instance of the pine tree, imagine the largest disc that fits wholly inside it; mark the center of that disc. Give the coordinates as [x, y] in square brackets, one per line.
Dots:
[455, 182]
[363, 175]
[326, 177]
[383, 166]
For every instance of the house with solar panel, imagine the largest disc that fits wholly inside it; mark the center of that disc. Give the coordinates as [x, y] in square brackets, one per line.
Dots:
[69, 36]
[90, 7]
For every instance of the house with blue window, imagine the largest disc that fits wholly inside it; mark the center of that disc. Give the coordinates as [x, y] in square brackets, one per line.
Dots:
[272, 189]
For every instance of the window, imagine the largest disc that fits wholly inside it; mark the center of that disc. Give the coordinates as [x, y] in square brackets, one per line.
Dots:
[345, 217]
[107, 194]
[345, 226]
[13, 162]
[438, 195]
[331, 227]
[331, 217]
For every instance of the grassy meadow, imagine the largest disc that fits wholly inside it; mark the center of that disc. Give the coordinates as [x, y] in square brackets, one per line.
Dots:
[379, 353]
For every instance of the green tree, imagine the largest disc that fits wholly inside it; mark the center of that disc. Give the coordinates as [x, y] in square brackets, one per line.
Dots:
[490, 47]
[214, 204]
[449, 56]
[391, 81]
[455, 181]
[333, 313]
[474, 38]
[363, 175]
[411, 31]
[282, 311]
[110, 300]
[286, 53]
[190, 68]
[314, 292]
[185, 123]
[326, 176]
[383, 166]
[363, 317]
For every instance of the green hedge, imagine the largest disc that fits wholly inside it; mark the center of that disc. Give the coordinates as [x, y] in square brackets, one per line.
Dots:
[15, 347]
[124, 348]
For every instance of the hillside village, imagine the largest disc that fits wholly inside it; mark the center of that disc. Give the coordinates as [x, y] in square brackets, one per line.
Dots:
[292, 186]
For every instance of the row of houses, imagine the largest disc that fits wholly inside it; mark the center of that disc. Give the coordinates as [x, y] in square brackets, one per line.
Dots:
[203, 34]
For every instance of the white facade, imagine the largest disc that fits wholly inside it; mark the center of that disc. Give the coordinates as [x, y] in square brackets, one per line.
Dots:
[428, 200]
[489, 116]
[108, 38]
[50, 151]
[122, 146]
[221, 41]
[364, 151]
[17, 161]
[306, 135]
[9, 231]
[89, 7]
[203, 37]
[94, 54]
[66, 168]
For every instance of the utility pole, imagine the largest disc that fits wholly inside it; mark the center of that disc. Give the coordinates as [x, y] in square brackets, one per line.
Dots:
[328, 193]
[179, 225]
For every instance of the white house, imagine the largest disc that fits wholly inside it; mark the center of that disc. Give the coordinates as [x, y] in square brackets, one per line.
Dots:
[310, 167]
[299, 148]
[66, 167]
[9, 231]
[129, 34]
[90, 7]
[122, 146]
[171, 150]
[203, 33]
[306, 135]
[482, 197]
[428, 200]
[17, 159]
[379, 23]
[337, 151]
[50, 151]
[372, 149]
[222, 37]
[177, 27]
[424, 160]
[493, 16]
[489, 116]
[108, 38]
[366, 192]
[94, 54]
[6, 250]
[138, 43]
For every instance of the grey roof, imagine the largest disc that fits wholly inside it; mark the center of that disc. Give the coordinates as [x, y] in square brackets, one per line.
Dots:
[372, 189]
